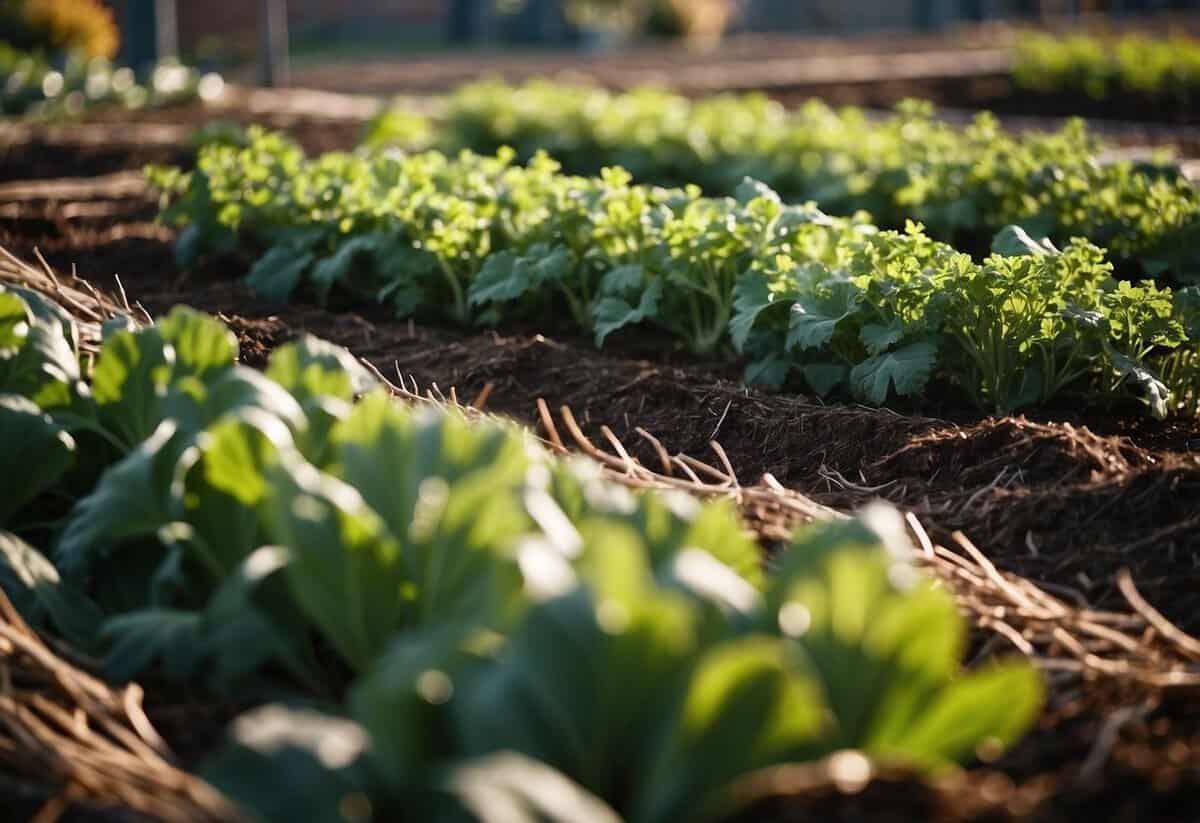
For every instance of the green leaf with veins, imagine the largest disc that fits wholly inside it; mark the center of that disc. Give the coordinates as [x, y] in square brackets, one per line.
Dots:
[907, 369]
[506, 276]
[878, 338]
[622, 280]
[311, 368]
[751, 296]
[202, 344]
[815, 317]
[130, 499]
[613, 313]
[129, 382]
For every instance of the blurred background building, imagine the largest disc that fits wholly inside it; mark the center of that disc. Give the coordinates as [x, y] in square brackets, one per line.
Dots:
[224, 30]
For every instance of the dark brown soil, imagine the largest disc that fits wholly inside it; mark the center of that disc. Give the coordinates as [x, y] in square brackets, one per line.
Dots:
[1065, 499]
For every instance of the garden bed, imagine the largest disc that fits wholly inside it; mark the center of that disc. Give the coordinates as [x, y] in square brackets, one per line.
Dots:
[1064, 499]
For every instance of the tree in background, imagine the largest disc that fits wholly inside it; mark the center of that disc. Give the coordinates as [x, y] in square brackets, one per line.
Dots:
[700, 21]
[79, 26]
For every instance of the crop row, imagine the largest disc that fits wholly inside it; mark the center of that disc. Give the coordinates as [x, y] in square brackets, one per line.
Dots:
[31, 85]
[1161, 69]
[833, 301]
[963, 184]
[495, 622]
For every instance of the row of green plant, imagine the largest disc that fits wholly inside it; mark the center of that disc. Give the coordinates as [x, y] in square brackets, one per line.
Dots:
[32, 85]
[831, 300]
[963, 183]
[1159, 69]
[443, 621]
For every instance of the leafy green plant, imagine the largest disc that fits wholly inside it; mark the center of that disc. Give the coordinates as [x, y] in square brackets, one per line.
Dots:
[847, 306]
[517, 634]
[1023, 327]
[1163, 69]
[653, 695]
[964, 184]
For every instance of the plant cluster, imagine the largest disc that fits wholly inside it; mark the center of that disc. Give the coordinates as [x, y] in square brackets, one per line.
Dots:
[462, 625]
[1164, 69]
[838, 302]
[32, 85]
[963, 184]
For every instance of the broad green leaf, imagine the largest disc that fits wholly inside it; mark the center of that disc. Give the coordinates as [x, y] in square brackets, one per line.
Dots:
[201, 343]
[823, 378]
[749, 704]
[750, 189]
[278, 272]
[189, 245]
[30, 439]
[506, 276]
[449, 493]
[143, 637]
[587, 686]
[405, 296]
[405, 700]
[293, 763]
[37, 360]
[623, 280]
[339, 266]
[769, 371]
[129, 383]
[15, 318]
[221, 488]
[239, 632]
[991, 707]
[35, 588]
[667, 524]
[345, 570]
[130, 499]
[879, 338]
[502, 278]
[43, 308]
[752, 295]
[886, 645]
[613, 313]
[310, 368]
[193, 403]
[815, 318]
[907, 370]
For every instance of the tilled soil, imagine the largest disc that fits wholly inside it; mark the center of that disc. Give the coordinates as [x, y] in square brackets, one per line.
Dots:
[1064, 499]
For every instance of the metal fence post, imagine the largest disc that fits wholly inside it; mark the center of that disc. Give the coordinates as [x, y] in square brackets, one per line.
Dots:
[273, 42]
[149, 32]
